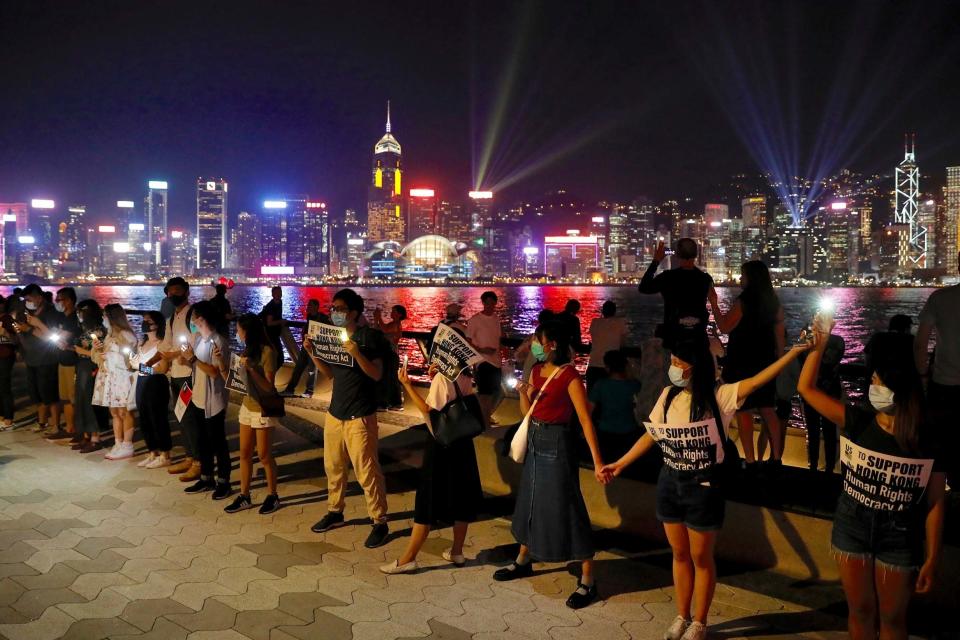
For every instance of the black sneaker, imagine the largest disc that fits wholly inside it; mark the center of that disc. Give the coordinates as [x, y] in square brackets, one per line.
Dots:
[54, 436]
[378, 536]
[221, 491]
[270, 504]
[240, 503]
[200, 486]
[327, 522]
[583, 596]
[513, 571]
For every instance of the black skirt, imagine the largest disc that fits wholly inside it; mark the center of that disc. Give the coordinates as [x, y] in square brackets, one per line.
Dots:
[449, 489]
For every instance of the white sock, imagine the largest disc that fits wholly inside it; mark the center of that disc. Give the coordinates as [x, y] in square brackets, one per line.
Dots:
[522, 560]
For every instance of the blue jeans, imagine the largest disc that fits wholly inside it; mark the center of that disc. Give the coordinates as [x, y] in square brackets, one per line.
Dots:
[893, 539]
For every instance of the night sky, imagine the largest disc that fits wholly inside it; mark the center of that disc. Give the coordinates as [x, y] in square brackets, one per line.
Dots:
[606, 99]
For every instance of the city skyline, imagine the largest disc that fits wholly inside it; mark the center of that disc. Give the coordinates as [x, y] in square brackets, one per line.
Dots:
[472, 101]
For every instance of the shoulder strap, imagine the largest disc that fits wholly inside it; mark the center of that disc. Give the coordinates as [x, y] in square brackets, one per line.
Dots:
[544, 388]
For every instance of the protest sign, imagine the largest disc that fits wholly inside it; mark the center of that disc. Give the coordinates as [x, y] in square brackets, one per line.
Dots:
[689, 446]
[328, 343]
[237, 377]
[183, 400]
[451, 353]
[881, 481]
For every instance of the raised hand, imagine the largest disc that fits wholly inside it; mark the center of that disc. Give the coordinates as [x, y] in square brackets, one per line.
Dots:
[661, 252]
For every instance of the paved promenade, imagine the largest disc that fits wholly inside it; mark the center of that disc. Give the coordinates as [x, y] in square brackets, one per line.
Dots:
[91, 548]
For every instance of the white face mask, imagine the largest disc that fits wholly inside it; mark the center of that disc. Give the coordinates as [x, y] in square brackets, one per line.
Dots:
[676, 376]
[58, 306]
[32, 306]
[106, 324]
[881, 398]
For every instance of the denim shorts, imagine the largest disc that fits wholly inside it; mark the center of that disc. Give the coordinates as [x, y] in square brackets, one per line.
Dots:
[690, 498]
[894, 540]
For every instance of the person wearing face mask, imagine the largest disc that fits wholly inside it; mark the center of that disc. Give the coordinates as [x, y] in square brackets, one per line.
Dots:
[176, 335]
[888, 524]
[209, 357]
[550, 520]
[114, 381]
[92, 334]
[64, 336]
[152, 392]
[350, 432]
[42, 358]
[689, 502]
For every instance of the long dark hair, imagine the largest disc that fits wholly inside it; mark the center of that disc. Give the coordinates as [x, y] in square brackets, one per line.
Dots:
[157, 319]
[703, 380]
[898, 373]
[758, 296]
[555, 332]
[91, 315]
[214, 319]
[255, 336]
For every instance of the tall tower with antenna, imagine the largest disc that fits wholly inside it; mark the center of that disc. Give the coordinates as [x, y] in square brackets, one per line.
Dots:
[907, 179]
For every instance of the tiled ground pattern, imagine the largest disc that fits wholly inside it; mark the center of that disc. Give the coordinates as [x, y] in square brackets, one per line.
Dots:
[96, 549]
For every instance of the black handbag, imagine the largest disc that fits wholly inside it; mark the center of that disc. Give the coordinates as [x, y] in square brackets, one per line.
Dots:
[460, 419]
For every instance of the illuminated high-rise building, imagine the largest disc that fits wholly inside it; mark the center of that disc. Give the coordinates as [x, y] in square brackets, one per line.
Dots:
[422, 214]
[754, 211]
[317, 239]
[951, 225]
[385, 204]
[453, 221]
[72, 240]
[245, 243]
[183, 251]
[907, 211]
[273, 234]
[480, 212]
[211, 238]
[296, 214]
[156, 220]
[20, 211]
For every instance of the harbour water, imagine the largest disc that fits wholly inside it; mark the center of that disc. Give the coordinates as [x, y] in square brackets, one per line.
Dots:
[860, 311]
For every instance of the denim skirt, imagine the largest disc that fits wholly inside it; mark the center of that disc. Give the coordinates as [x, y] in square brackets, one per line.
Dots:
[550, 517]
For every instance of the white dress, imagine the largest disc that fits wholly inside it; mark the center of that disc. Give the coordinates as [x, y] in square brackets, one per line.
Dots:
[114, 379]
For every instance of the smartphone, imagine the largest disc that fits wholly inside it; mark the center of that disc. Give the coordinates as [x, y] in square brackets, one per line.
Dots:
[512, 382]
[406, 361]
[146, 370]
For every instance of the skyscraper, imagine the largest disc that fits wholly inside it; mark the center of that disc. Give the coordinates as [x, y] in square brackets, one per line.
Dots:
[385, 215]
[951, 220]
[211, 225]
[156, 220]
[296, 212]
[273, 234]
[907, 202]
[422, 214]
[316, 236]
[245, 242]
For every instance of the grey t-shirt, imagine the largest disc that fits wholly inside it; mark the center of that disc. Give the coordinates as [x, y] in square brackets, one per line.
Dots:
[942, 310]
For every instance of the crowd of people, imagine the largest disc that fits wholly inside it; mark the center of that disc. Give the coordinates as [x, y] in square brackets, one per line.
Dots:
[89, 374]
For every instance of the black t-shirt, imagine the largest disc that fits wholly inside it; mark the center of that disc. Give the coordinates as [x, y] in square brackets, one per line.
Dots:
[273, 309]
[572, 325]
[354, 392]
[877, 472]
[222, 305]
[70, 328]
[684, 294]
[38, 351]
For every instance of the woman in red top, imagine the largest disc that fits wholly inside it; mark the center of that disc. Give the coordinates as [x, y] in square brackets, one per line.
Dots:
[550, 520]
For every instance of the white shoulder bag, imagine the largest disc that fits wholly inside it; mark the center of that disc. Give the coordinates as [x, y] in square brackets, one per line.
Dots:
[518, 446]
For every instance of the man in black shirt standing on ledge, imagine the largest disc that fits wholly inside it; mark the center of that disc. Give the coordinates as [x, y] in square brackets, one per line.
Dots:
[684, 290]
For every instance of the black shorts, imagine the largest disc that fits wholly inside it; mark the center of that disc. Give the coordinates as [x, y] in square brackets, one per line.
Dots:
[691, 499]
[488, 379]
[43, 383]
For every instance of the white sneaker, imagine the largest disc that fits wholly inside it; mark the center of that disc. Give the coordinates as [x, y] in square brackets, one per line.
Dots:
[696, 631]
[113, 450]
[675, 631]
[159, 462]
[146, 462]
[395, 567]
[124, 450]
[458, 560]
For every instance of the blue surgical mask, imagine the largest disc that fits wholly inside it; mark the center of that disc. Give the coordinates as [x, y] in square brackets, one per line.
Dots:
[676, 377]
[538, 352]
[881, 398]
[193, 328]
[339, 318]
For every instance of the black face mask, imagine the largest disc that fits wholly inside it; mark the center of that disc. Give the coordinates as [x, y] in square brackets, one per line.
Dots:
[178, 300]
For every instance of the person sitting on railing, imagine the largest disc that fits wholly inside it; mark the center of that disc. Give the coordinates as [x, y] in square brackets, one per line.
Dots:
[272, 317]
[304, 361]
[568, 318]
[893, 492]
[607, 333]
[691, 421]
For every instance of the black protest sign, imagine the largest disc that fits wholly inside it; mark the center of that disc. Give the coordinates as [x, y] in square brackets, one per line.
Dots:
[688, 446]
[451, 353]
[237, 377]
[328, 343]
[881, 481]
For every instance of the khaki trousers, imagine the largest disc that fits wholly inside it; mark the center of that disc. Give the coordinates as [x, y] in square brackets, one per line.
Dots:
[354, 441]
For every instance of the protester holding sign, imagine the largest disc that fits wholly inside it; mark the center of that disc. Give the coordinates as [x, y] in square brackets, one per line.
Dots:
[350, 433]
[893, 492]
[259, 364]
[153, 392]
[550, 520]
[449, 489]
[209, 357]
[690, 504]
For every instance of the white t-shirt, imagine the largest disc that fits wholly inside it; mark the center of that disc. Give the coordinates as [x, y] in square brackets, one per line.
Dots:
[679, 412]
[484, 332]
[171, 342]
[606, 334]
[441, 391]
